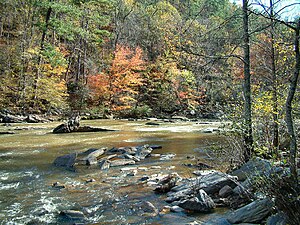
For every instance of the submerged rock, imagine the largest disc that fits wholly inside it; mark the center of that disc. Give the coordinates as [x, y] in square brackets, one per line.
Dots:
[6, 132]
[152, 124]
[216, 221]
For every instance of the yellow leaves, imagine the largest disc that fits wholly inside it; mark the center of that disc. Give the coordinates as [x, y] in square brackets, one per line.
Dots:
[129, 2]
[59, 70]
[263, 102]
[33, 51]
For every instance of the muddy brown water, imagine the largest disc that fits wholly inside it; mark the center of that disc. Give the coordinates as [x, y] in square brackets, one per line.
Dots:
[27, 173]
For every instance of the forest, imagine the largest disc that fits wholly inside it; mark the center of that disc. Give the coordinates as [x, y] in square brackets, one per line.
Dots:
[211, 59]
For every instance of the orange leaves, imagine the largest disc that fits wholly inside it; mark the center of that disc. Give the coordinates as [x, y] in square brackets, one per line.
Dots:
[98, 84]
[119, 86]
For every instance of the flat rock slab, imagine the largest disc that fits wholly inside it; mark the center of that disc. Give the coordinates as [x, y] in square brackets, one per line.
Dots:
[254, 212]
[122, 162]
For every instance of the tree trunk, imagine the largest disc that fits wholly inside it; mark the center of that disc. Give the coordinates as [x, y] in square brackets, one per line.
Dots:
[289, 108]
[248, 137]
[275, 143]
[42, 47]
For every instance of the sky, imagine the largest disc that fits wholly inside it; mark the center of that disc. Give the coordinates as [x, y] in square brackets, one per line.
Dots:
[288, 13]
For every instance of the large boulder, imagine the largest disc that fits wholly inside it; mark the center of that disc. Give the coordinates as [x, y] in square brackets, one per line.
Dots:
[211, 182]
[254, 212]
[201, 203]
[70, 126]
[254, 167]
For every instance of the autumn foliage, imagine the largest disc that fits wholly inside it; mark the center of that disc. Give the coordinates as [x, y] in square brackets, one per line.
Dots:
[119, 86]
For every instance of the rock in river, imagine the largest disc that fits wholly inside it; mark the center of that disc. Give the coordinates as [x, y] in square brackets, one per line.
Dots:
[148, 208]
[168, 182]
[104, 164]
[211, 182]
[201, 203]
[73, 214]
[6, 132]
[143, 151]
[254, 212]
[122, 162]
[66, 160]
[92, 156]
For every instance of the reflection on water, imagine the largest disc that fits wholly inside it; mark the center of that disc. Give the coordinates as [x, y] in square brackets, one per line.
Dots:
[27, 173]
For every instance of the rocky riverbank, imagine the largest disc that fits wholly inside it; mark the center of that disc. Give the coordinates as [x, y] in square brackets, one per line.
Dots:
[203, 193]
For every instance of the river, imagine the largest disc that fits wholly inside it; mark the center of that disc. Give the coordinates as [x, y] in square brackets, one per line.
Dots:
[27, 172]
